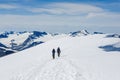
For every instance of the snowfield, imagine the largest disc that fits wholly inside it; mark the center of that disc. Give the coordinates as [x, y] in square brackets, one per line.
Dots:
[81, 59]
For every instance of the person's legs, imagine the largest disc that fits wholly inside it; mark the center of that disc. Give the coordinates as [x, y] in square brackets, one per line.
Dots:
[53, 55]
[58, 54]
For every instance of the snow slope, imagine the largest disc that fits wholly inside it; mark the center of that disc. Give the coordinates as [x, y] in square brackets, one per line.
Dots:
[59, 69]
[81, 59]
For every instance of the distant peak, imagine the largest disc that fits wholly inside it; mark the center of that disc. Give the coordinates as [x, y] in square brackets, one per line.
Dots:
[79, 33]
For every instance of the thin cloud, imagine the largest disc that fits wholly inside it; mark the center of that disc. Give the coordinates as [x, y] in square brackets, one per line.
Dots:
[67, 8]
[7, 6]
[93, 19]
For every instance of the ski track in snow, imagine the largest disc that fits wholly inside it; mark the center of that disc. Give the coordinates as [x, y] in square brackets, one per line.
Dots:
[58, 69]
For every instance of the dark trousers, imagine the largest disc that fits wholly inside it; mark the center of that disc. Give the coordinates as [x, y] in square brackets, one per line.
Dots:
[53, 55]
[58, 54]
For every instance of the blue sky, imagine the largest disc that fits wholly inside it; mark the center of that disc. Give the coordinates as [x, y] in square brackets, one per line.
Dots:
[60, 15]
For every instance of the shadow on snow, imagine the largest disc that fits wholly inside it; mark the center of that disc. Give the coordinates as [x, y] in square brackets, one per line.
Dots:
[109, 48]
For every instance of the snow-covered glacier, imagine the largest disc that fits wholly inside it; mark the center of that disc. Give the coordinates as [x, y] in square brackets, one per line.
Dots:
[81, 59]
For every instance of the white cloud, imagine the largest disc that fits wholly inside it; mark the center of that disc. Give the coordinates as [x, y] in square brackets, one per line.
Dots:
[7, 6]
[75, 15]
[67, 8]
[92, 19]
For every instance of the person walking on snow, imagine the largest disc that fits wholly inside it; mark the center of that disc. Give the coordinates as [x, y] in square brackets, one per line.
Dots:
[53, 53]
[58, 51]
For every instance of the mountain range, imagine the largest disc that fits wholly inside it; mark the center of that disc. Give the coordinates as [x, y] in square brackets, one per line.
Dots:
[12, 42]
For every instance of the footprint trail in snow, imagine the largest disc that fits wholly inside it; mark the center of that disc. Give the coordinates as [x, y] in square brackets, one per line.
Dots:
[58, 69]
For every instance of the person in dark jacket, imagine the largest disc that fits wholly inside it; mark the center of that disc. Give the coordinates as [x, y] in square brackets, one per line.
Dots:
[53, 53]
[58, 51]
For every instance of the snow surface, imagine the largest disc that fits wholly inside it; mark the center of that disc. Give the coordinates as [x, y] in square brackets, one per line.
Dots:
[81, 59]
[117, 45]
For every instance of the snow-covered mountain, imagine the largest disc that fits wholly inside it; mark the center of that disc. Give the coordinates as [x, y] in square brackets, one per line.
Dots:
[79, 33]
[81, 59]
[18, 41]
[6, 51]
[113, 35]
[11, 42]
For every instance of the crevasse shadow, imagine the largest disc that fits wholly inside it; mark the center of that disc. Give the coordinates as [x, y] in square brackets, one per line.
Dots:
[109, 48]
